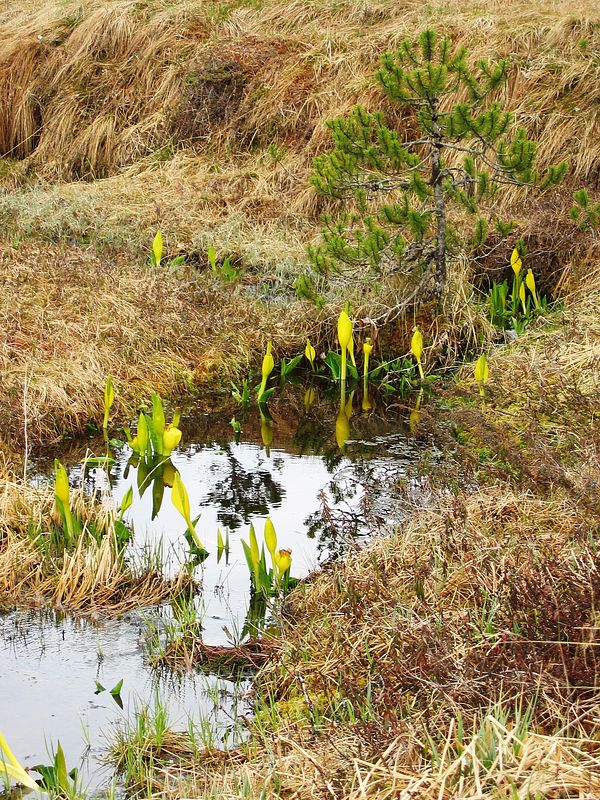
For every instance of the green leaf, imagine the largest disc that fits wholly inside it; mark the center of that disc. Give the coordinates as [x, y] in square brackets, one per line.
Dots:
[60, 765]
[116, 690]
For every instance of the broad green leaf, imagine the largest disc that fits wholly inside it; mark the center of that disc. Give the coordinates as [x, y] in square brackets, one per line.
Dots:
[61, 769]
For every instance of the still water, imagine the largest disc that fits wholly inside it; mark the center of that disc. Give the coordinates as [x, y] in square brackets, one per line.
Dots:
[322, 499]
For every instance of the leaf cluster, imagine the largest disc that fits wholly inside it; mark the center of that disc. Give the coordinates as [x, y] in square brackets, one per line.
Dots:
[401, 193]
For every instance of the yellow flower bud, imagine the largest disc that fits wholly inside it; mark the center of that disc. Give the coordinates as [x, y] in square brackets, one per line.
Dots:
[61, 489]
[270, 538]
[522, 297]
[530, 281]
[482, 369]
[283, 561]
[267, 368]
[515, 261]
[344, 330]
[416, 347]
[367, 350]
[310, 353]
[171, 438]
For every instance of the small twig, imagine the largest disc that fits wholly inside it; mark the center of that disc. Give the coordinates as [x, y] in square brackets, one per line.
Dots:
[25, 425]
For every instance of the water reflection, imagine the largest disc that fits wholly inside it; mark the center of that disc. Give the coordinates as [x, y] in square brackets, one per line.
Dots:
[324, 471]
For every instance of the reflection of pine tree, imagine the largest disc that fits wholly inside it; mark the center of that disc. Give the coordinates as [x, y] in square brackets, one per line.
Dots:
[244, 494]
[407, 195]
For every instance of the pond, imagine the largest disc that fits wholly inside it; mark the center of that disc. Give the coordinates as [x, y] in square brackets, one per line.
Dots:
[323, 496]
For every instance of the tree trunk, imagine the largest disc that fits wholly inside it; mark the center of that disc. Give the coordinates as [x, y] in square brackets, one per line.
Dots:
[439, 275]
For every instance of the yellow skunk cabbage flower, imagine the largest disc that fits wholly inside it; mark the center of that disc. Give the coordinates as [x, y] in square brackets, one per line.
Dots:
[61, 496]
[344, 332]
[522, 297]
[267, 368]
[344, 329]
[13, 769]
[171, 438]
[181, 501]
[270, 538]
[109, 399]
[157, 249]
[283, 561]
[61, 489]
[530, 281]
[310, 353]
[367, 350]
[482, 372]
[515, 261]
[416, 348]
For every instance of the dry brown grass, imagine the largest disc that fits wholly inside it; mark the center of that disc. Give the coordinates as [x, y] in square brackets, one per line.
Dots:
[68, 318]
[455, 659]
[179, 106]
[539, 420]
[91, 90]
[89, 578]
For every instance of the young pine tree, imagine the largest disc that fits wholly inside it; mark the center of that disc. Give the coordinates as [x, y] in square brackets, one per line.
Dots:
[404, 196]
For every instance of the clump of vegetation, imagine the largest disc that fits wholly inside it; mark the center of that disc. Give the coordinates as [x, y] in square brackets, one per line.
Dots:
[268, 581]
[89, 574]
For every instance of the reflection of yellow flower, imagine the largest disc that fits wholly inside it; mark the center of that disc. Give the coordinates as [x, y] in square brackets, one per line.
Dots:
[309, 397]
[413, 420]
[181, 501]
[168, 474]
[266, 432]
[342, 428]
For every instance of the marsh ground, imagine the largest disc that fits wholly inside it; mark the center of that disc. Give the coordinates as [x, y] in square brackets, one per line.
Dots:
[457, 657]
